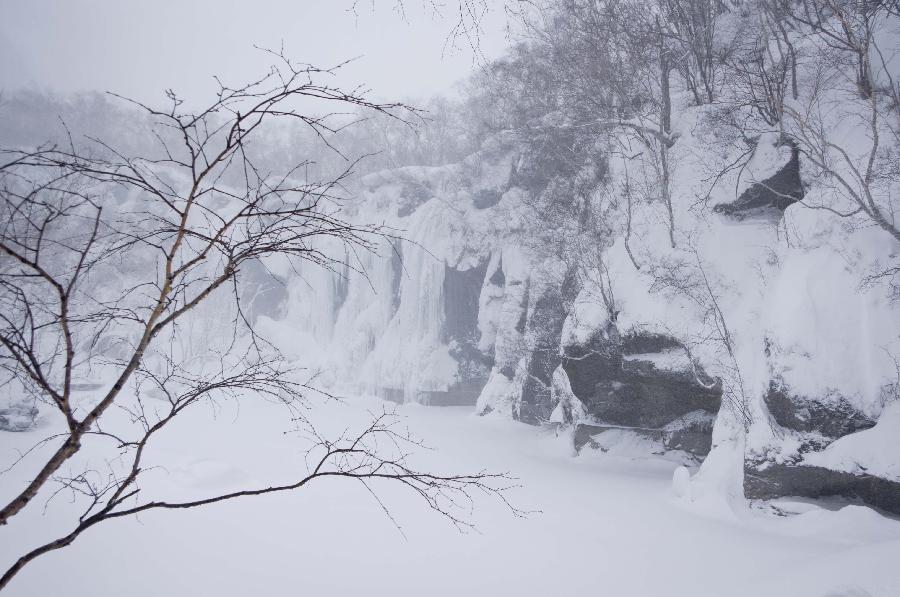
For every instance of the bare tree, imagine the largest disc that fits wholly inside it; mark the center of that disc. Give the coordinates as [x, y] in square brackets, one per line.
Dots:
[762, 71]
[465, 17]
[109, 261]
[689, 28]
[852, 85]
[847, 27]
[687, 277]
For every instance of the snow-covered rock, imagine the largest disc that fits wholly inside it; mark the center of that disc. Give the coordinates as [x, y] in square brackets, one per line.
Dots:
[18, 417]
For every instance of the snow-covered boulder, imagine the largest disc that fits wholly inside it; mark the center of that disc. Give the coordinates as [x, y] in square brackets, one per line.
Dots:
[645, 382]
[18, 417]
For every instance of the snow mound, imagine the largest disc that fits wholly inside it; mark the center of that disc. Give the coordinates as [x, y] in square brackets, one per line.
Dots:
[872, 451]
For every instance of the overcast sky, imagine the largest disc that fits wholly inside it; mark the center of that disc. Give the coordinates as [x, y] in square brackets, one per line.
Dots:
[139, 48]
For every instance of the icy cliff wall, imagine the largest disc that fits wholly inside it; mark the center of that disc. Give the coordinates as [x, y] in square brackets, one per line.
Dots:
[754, 336]
[402, 321]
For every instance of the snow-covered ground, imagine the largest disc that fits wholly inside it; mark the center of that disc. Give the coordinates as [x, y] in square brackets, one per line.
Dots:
[608, 525]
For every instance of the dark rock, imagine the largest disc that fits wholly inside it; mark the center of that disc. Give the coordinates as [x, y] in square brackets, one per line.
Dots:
[18, 417]
[498, 278]
[832, 417]
[486, 198]
[508, 371]
[816, 422]
[523, 312]
[770, 197]
[396, 276]
[544, 329]
[413, 193]
[464, 393]
[462, 289]
[635, 393]
[341, 286]
[589, 364]
[779, 480]
[649, 401]
[691, 433]
[646, 343]
[262, 292]
[391, 394]
[672, 406]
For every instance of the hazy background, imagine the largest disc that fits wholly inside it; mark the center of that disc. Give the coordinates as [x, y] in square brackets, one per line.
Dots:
[139, 49]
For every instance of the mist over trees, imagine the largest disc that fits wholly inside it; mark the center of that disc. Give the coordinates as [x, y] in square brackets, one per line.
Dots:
[117, 257]
[591, 89]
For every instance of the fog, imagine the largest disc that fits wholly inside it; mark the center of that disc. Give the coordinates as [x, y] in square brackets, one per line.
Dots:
[139, 49]
[614, 284]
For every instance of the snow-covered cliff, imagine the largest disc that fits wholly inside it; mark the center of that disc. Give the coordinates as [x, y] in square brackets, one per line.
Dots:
[755, 336]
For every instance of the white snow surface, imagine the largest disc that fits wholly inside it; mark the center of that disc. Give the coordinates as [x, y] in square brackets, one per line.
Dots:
[672, 359]
[873, 451]
[600, 523]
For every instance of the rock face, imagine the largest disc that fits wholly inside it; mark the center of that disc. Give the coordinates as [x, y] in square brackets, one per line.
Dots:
[644, 382]
[770, 197]
[777, 480]
[815, 423]
[691, 433]
[462, 289]
[475, 309]
[412, 194]
[264, 292]
[486, 198]
[832, 419]
[544, 330]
